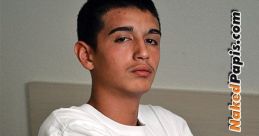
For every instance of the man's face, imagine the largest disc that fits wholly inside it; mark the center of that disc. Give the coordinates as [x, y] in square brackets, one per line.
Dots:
[128, 51]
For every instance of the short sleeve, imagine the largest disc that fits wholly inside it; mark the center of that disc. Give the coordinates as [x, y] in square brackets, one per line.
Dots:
[51, 127]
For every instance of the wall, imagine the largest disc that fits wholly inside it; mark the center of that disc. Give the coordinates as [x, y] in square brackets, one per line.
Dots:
[38, 37]
[195, 40]
[1, 72]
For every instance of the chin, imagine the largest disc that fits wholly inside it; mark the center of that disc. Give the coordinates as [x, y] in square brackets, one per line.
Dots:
[140, 88]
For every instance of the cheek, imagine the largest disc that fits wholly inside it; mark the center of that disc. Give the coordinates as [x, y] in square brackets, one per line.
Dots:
[118, 58]
[155, 57]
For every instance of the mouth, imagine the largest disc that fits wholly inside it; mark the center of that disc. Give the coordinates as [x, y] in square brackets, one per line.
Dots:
[142, 71]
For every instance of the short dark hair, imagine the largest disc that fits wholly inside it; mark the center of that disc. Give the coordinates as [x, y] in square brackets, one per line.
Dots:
[90, 23]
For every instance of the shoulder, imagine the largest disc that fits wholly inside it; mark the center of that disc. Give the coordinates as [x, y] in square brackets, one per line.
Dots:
[72, 121]
[164, 118]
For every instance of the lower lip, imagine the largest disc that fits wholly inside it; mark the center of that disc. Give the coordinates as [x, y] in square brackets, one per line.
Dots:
[142, 73]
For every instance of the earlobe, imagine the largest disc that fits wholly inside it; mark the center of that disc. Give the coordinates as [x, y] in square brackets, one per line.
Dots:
[84, 54]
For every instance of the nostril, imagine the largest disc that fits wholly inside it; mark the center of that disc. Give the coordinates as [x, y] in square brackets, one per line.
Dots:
[142, 55]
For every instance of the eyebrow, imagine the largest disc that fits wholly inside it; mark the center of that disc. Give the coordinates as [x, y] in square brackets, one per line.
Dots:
[130, 29]
[124, 28]
[154, 31]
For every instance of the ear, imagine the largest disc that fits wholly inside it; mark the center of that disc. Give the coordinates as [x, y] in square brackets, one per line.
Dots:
[84, 54]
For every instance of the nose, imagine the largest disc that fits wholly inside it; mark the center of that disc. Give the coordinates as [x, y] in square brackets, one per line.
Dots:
[141, 51]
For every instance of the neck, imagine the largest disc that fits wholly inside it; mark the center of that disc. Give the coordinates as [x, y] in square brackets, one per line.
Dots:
[118, 107]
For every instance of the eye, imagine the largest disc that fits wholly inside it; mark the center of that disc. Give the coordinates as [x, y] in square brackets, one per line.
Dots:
[151, 42]
[121, 39]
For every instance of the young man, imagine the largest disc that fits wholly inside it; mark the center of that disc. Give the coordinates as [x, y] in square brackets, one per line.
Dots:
[119, 43]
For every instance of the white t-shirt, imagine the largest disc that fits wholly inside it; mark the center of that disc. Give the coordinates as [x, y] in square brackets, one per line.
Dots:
[85, 120]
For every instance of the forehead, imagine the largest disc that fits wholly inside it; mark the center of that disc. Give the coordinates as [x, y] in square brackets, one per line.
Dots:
[129, 16]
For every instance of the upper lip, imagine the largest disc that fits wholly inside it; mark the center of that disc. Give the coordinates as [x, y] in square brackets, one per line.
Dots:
[142, 67]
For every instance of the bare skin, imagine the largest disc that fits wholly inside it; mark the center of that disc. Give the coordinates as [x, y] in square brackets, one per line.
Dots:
[124, 65]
